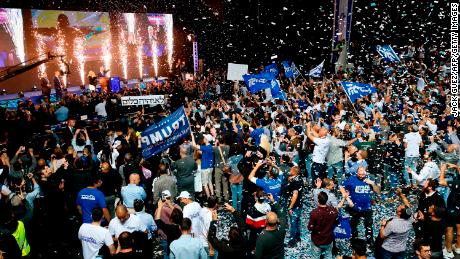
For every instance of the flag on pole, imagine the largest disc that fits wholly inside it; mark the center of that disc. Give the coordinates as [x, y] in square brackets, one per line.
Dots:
[316, 72]
[272, 68]
[290, 71]
[258, 82]
[166, 133]
[387, 53]
[356, 90]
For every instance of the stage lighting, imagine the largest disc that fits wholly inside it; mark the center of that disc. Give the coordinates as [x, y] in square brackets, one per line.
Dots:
[3, 92]
[34, 89]
[21, 94]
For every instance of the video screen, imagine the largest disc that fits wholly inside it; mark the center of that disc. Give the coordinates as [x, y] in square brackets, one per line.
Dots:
[11, 37]
[73, 34]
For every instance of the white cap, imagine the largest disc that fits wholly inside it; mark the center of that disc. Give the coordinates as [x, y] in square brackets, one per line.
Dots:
[166, 193]
[184, 194]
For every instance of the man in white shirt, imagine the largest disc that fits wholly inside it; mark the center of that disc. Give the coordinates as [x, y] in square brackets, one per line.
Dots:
[429, 170]
[206, 218]
[412, 143]
[192, 211]
[322, 143]
[125, 222]
[93, 236]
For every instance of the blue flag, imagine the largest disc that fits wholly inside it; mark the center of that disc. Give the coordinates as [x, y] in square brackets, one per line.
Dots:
[272, 68]
[316, 72]
[387, 53]
[276, 91]
[159, 137]
[258, 82]
[290, 71]
[357, 90]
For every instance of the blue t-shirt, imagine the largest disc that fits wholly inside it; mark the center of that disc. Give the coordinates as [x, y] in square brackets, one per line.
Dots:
[272, 186]
[88, 199]
[256, 135]
[360, 193]
[207, 157]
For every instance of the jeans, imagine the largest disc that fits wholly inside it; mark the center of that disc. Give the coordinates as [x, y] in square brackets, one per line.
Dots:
[325, 250]
[412, 163]
[221, 184]
[164, 245]
[354, 221]
[390, 255]
[336, 171]
[295, 223]
[237, 190]
[394, 179]
[318, 171]
[308, 165]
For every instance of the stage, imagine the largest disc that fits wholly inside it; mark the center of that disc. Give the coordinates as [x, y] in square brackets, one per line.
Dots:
[10, 101]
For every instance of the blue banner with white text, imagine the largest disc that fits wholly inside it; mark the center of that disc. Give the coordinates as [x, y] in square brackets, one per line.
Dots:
[356, 90]
[166, 133]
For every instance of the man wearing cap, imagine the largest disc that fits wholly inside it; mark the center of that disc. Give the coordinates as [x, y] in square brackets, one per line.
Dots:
[192, 211]
[163, 182]
[412, 144]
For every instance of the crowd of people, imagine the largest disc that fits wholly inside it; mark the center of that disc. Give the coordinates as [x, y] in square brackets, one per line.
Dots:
[256, 178]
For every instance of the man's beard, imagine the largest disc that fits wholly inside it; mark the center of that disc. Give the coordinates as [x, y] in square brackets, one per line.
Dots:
[426, 190]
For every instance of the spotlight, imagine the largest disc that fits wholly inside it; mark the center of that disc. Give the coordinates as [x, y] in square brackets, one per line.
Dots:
[34, 89]
[21, 94]
[3, 92]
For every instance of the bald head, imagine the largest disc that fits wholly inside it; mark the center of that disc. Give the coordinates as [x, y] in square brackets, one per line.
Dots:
[122, 213]
[182, 151]
[134, 179]
[272, 219]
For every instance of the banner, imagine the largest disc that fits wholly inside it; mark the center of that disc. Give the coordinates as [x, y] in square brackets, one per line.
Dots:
[316, 72]
[272, 68]
[161, 136]
[276, 91]
[195, 57]
[356, 90]
[258, 82]
[142, 100]
[387, 53]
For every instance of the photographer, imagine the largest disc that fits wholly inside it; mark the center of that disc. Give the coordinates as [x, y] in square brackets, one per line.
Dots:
[23, 162]
[271, 185]
[80, 140]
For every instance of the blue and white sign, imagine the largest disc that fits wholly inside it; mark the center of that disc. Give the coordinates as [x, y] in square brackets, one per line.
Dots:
[356, 90]
[290, 71]
[161, 136]
[387, 53]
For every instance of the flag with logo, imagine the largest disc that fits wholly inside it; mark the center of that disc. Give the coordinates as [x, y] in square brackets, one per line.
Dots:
[316, 72]
[258, 82]
[166, 133]
[387, 53]
[272, 68]
[356, 90]
[276, 91]
[290, 71]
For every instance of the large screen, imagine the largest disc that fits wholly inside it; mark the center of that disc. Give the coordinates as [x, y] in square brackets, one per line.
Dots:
[11, 37]
[72, 33]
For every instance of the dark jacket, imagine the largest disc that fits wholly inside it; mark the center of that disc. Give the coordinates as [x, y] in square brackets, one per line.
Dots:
[270, 244]
[227, 249]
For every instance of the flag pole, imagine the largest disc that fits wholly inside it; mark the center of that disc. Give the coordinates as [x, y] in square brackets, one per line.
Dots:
[352, 104]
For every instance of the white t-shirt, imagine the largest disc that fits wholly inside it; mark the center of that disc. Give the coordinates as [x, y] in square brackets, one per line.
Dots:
[320, 150]
[206, 218]
[413, 140]
[192, 211]
[132, 224]
[92, 238]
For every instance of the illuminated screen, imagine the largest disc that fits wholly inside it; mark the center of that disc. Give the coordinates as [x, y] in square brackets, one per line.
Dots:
[72, 33]
[11, 37]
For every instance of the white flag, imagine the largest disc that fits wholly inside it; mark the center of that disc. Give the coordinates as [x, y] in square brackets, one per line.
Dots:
[316, 72]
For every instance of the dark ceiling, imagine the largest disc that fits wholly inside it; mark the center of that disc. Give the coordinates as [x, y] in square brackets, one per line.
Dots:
[251, 31]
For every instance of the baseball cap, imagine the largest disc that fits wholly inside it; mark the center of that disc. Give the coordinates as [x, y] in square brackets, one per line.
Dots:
[166, 193]
[184, 194]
